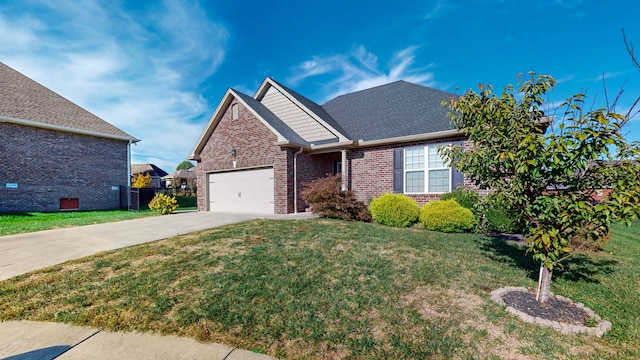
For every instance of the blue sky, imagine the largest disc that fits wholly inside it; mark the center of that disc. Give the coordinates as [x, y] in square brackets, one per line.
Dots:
[157, 69]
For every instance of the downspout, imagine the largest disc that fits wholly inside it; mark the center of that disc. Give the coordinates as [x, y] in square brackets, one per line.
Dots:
[129, 174]
[345, 176]
[295, 180]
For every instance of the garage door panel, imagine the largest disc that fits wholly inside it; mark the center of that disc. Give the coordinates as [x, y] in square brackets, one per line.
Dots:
[242, 191]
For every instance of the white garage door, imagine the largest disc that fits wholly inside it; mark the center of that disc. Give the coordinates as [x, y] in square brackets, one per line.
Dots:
[242, 191]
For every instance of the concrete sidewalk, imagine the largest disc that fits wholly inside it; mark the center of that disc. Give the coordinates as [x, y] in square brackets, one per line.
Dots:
[19, 254]
[27, 340]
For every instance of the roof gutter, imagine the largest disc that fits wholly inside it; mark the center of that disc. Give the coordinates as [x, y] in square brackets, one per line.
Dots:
[292, 144]
[339, 144]
[41, 125]
[409, 138]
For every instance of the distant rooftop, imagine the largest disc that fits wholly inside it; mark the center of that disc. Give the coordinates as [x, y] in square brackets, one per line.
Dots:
[147, 168]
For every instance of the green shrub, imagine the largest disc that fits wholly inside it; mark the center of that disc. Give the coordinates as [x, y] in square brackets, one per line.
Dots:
[499, 217]
[446, 216]
[163, 203]
[466, 197]
[395, 210]
[326, 199]
[187, 201]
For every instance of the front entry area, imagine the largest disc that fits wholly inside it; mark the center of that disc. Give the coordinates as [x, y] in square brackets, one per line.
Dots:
[242, 191]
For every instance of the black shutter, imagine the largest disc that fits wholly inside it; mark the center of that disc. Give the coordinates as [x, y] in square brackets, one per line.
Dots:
[398, 170]
[457, 178]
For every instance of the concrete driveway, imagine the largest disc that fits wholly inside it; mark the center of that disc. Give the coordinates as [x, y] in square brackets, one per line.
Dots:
[23, 253]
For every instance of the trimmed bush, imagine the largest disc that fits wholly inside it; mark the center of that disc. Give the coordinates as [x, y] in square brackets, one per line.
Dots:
[466, 197]
[395, 210]
[326, 199]
[446, 216]
[164, 204]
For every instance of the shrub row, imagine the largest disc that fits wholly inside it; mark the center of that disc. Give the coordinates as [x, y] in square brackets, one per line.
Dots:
[461, 210]
[440, 215]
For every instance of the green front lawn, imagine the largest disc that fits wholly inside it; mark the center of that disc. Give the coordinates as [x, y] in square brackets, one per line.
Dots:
[325, 289]
[16, 223]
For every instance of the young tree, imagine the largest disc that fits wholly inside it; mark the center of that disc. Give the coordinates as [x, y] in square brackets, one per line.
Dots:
[549, 169]
[141, 181]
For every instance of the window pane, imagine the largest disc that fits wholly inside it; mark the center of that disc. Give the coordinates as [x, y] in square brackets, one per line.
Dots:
[439, 181]
[414, 182]
[414, 158]
[435, 160]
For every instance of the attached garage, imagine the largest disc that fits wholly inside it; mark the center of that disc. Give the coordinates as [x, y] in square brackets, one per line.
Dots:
[242, 191]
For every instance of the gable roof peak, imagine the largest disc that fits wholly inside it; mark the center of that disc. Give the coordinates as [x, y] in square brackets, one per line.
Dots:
[313, 109]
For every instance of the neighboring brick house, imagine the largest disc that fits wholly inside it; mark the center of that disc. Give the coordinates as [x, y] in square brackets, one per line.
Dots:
[54, 155]
[257, 152]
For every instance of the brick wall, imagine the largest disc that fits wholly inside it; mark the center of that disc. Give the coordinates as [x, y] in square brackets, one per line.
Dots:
[371, 171]
[48, 165]
[254, 144]
[311, 167]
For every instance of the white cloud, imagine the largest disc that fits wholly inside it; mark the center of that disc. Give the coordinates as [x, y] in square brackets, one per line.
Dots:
[441, 8]
[360, 70]
[139, 70]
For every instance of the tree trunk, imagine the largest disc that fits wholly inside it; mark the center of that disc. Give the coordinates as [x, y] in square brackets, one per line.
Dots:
[544, 284]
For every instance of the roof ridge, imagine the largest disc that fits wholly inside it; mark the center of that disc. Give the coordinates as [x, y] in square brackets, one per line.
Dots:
[393, 110]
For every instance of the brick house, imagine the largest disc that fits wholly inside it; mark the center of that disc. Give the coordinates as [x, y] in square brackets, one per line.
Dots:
[54, 155]
[257, 152]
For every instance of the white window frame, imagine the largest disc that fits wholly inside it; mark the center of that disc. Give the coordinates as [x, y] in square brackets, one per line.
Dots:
[425, 168]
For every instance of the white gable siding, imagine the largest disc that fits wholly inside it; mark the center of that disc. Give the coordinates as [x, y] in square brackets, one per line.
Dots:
[296, 118]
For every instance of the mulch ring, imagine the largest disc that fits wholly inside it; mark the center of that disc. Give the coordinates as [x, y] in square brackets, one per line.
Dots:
[554, 309]
[558, 312]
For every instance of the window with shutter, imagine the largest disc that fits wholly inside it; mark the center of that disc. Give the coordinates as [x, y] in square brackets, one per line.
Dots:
[425, 171]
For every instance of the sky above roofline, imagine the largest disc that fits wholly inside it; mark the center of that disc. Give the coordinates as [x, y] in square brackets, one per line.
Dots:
[157, 69]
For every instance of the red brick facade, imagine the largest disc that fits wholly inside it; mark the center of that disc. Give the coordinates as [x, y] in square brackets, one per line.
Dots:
[255, 146]
[370, 169]
[40, 167]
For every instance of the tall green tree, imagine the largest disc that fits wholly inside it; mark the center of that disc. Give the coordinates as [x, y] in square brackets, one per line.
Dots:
[549, 169]
[185, 165]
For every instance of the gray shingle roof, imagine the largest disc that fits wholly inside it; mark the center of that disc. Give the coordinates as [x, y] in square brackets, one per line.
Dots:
[24, 99]
[272, 119]
[396, 109]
